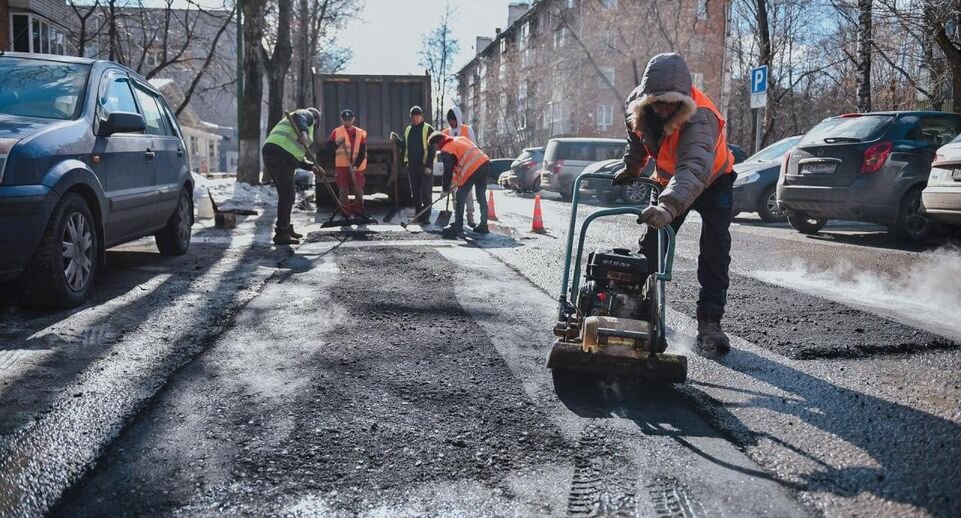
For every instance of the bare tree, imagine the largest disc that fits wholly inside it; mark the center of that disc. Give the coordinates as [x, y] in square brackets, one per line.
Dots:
[248, 170]
[437, 56]
[277, 62]
[865, 47]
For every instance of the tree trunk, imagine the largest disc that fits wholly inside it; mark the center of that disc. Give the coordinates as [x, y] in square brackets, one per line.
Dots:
[865, 38]
[279, 64]
[303, 72]
[248, 169]
[765, 53]
[112, 30]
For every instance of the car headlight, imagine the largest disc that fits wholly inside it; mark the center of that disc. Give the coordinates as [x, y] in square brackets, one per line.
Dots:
[746, 179]
[6, 144]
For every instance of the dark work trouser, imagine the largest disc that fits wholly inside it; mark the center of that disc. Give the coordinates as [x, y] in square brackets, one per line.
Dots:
[281, 165]
[714, 259]
[420, 187]
[477, 182]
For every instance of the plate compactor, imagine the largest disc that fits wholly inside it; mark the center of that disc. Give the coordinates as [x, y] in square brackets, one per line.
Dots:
[614, 324]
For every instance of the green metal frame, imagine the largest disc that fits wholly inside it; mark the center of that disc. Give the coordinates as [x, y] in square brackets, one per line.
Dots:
[570, 284]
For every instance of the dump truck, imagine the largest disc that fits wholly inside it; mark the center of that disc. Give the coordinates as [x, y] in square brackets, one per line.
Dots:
[381, 104]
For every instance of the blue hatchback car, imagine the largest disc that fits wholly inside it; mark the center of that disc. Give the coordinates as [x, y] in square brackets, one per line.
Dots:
[91, 156]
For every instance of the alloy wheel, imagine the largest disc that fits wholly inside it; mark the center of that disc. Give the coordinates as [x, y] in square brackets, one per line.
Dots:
[77, 251]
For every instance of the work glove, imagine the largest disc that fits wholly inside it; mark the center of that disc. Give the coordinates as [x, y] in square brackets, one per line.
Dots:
[657, 216]
[428, 171]
[625, 177]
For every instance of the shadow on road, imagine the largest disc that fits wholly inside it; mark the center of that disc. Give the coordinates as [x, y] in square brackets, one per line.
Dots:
[916, 454]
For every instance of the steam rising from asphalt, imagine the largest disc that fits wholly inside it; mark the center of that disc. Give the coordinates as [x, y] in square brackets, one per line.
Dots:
[928, 295]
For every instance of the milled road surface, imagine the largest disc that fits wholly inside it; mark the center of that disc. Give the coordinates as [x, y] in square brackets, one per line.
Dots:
[396, 373]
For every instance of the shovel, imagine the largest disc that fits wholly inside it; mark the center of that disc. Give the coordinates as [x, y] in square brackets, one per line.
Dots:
[443, 218]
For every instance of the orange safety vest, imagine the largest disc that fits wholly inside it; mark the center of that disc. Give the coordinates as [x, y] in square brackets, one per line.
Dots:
[464, 131]
[469, 158]
[341, 158]
[666, 159]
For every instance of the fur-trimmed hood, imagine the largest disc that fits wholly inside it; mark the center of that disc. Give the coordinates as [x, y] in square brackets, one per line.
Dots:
[666, 79]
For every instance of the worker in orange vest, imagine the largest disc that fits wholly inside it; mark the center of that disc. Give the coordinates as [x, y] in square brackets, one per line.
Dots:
[349, 145]
[465, 167]
[672, 122]
[456, 128]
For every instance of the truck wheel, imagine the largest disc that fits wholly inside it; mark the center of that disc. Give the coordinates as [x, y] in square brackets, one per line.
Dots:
[324, 199]
[174, 239]
[64, 266]
[912, 225]
[767, 206]
[805, 224]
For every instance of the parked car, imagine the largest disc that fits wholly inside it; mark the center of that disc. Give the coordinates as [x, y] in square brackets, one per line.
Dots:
[91, 156]
[755, 189]
[497, 167]
[942, 196]
[739, 154]
[524, 174]
[865, 167]
[565, 158]
[607, 192]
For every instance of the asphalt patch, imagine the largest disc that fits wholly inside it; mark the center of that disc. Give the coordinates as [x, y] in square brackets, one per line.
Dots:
[801, 326]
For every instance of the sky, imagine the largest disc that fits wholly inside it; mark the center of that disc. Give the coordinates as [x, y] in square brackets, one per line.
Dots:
[387, 39]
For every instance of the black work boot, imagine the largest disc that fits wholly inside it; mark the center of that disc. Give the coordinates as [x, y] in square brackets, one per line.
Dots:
[283, 237]
[294, 234]
[482, 228]
[710, 334]
[452, 231]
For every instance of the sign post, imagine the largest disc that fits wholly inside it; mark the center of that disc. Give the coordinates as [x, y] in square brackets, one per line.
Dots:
[758, 100]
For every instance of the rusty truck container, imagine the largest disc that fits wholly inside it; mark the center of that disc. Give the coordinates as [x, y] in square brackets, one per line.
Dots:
[381, 104]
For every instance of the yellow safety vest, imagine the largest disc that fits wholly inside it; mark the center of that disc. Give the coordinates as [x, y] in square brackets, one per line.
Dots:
[427, 130]
[285, 136]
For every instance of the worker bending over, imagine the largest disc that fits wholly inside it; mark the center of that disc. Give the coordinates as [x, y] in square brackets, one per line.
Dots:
[419, 160]
[465, 167]
[457, 129]
[283, 153]
[349, 145]
[671, 121]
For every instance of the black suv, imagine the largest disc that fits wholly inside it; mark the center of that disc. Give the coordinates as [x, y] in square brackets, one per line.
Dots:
[91, 156]
[865, 167]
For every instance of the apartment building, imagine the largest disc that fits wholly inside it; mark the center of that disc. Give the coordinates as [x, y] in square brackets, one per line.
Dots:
[565, 67]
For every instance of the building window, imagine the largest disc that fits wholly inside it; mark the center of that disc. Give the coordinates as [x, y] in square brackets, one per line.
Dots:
[605, 117]
[697, 79]
[608, 73]
[21, 33]
[152, 57]
[702, 7]
[559, 37]
[194, 145]
[504, 45]
[609, 4]
[33, 34]
[608, 40]
[571, 4]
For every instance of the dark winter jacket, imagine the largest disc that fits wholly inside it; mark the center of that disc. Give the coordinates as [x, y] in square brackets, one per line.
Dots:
[668, 79]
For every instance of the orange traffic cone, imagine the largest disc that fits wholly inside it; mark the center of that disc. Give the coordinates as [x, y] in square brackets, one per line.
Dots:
[491, 215]
[538, 225]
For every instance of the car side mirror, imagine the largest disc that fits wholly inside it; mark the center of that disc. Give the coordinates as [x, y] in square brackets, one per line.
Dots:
[122, 122]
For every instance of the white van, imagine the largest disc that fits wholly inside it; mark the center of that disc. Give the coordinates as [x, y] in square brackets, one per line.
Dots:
[565, 158]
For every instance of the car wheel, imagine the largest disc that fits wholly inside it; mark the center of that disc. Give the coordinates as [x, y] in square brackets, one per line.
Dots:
[912, 225]
[64, 266]
[174, 239]
[805, 224]
[636, 193]
[767, 206]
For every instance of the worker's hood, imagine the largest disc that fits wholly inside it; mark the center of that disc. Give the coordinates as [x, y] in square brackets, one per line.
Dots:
[666, 79]
[457, 114]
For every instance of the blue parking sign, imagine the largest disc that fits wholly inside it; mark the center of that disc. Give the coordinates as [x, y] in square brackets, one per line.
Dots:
[759, 80]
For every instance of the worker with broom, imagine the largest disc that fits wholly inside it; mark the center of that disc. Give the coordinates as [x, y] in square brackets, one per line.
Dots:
[673, 122]
[283, 153]
[348, 143]
[456, 128]
[465, 167]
